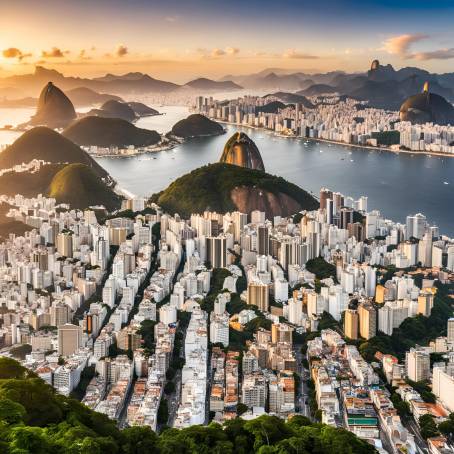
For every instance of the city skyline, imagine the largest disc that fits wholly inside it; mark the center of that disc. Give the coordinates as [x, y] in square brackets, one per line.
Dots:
[169, 39]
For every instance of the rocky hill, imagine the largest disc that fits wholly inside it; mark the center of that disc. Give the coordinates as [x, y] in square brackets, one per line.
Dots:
[114, 109]
[47, 145]
[54, 108]
[224, 187]
[106, 132]
[196, 125]
[83, 96]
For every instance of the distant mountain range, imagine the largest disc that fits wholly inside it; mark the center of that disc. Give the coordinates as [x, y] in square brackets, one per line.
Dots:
[383, 86]
[133, 83]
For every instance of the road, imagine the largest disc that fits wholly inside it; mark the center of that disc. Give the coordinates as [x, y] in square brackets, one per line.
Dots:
[302, 394]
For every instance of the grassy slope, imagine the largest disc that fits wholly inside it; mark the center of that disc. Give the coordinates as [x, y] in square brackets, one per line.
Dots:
[210, 187]
[48, 145]
[79, 186]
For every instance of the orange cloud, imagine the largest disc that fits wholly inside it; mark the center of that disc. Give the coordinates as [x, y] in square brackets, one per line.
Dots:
[55, 52]
[14, 52]
[400, 45]
[294, 54]
[121, 50]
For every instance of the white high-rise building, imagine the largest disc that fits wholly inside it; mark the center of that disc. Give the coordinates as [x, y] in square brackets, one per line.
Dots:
[417, 363]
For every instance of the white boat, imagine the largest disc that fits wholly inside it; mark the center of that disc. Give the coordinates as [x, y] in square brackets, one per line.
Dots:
[445, 182]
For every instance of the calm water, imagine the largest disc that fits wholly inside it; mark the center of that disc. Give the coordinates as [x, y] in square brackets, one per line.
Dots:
[397, 185]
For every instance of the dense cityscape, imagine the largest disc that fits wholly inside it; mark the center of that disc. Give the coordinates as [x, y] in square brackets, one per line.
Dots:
[331, 118]
[226, 228]
[157, 320]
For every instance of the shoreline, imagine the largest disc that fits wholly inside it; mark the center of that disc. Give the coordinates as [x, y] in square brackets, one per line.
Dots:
[137, 153]
[342, 144]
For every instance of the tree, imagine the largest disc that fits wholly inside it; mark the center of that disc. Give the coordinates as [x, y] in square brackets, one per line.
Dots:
[447, 427]
[11, 412]
[139, 439]
[427, 426]
[241, 408]
[163, 412]
[169, 388]
[25, 439]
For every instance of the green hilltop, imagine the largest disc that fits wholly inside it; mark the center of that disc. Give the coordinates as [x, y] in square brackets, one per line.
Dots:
[224, 187]
[106, 132]
[196, 125]
[78, 185]
[50, 146]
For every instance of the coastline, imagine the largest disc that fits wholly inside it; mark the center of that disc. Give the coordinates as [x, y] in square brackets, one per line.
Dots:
[343, 144]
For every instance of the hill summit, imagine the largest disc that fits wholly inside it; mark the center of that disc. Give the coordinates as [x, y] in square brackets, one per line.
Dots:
[47, 145]
[78, 185]
[54, 108]
[196, 125]
[241, 150]
[224, 187]
[106, 132]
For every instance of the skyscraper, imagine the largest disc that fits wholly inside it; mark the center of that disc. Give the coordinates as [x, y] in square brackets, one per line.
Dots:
[257, 295]
[367, 320]
[69, 339]
[216, 251]
[351, 321]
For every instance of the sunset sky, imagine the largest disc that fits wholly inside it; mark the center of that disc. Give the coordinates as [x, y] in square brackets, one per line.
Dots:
[179, 40]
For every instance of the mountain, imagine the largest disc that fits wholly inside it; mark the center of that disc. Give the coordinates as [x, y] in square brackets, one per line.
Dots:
[271, 107]
[142, 110]
[132, 83]
[106, 132]
[208, 84]
[48, 145]
[291, 98]
[317, 89]
[83, 96]
[54, 108]
[240, 150]
[224, 187]
[114, 109]
[78, 185]
[196, 125]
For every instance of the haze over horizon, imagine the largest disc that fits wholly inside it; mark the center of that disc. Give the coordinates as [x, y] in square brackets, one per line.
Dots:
[169, 39]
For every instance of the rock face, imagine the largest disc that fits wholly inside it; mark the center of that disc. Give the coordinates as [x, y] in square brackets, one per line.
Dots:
[241, 151]
[427, 107]
[54, 109]
[248, 199]
[224, 188]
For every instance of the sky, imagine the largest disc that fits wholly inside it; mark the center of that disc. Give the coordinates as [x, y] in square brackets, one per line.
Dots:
[178, 40]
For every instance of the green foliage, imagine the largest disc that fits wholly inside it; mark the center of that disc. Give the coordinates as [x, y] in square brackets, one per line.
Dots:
[210, 187]
[146, 330]
[196, 125]
[413, 330]
[34, 419]
[321, 268]
[106, 132]
[163, 411]
[387, 137]
[79, 185]
[446, 428]
[427, 426]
